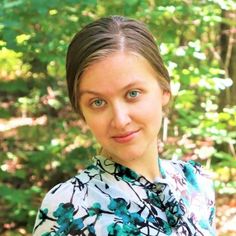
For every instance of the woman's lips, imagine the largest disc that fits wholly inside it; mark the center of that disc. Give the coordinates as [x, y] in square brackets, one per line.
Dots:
[126, 137]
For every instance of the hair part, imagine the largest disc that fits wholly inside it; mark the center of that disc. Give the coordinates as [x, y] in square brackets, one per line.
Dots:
[104, 37]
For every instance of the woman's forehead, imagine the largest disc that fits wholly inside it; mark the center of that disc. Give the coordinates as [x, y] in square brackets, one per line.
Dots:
[116, 67]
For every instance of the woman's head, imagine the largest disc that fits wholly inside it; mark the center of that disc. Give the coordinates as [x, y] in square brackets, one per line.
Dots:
[104, 37]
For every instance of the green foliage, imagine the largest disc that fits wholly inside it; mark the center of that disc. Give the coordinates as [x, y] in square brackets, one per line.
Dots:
[36, 154]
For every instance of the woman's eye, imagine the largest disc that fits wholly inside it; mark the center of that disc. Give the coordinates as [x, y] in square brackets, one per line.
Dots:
[98, 103]
[133, 94]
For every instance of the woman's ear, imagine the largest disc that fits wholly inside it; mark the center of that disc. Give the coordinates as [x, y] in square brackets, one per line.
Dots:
[165, 97]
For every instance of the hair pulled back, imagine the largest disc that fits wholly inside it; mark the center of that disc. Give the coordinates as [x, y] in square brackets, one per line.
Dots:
[103, 37]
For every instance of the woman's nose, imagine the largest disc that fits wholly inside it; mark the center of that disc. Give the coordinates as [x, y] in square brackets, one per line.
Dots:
[120, 117]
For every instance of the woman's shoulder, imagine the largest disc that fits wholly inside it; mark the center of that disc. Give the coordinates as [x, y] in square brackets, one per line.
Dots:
[187, 167]
[64, 199]
[73, 190]
[63, 191]
[194, 168]
[193, 172]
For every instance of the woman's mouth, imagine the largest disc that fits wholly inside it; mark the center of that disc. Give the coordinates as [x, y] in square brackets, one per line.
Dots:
[125, 137]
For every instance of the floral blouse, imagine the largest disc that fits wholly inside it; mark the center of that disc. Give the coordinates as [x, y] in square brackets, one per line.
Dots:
[110, 199]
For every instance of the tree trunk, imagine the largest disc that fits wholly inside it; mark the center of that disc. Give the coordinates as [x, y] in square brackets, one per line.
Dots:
[228, 55]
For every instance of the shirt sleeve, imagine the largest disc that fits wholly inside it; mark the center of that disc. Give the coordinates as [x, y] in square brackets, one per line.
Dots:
[45, 220]
[57, 211]
[206, 186]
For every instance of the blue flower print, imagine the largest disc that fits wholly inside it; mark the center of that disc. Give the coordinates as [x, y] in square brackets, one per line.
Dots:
[119, 206]
[190, 175]
[64, 215]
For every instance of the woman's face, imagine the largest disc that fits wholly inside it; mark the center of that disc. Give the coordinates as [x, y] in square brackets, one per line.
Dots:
[122, 102]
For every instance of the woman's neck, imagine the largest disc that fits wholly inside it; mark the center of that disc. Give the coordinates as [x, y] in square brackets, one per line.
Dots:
[146, 166]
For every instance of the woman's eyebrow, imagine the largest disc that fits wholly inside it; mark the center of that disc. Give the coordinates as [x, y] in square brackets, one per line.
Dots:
[82, 92]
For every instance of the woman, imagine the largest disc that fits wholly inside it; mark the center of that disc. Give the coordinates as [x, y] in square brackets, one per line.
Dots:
[119, 85]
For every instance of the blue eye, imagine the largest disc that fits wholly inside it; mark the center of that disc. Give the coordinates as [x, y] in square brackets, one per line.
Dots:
[133, 93]
[98, 103]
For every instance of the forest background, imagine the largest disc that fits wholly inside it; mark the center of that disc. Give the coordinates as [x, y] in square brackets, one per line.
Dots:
[42, 141]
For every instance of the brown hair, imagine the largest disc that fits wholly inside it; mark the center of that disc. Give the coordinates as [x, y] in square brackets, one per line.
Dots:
[104, 37]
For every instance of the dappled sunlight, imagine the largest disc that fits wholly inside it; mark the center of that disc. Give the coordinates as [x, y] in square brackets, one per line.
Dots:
[13, 123]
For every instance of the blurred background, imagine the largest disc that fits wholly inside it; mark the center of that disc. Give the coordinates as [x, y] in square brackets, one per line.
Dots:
[43, 142]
